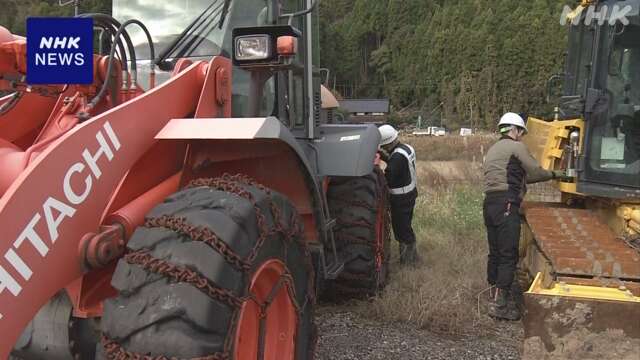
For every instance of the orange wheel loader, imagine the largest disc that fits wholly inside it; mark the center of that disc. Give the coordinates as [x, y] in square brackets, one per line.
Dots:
[193, 200]
[583, 253]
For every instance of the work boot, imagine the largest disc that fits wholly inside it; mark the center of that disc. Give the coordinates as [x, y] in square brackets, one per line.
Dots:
[492, 293]
[501, 309]
[409, 254]
[402, 249]
[516, 297]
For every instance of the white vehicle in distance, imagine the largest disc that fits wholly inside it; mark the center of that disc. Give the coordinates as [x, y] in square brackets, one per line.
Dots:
[431, 131]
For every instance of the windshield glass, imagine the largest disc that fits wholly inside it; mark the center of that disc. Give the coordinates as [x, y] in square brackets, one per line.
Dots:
[166, 20]
[616, 138]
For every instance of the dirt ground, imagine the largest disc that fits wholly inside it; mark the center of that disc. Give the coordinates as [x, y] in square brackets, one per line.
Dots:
[345, 335]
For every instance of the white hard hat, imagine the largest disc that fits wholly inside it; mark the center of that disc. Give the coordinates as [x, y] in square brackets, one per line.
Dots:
[512, 119]
[387, 134]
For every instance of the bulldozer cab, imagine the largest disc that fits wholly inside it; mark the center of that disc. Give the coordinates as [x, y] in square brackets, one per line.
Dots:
[595, 138]
[200, 29]
[602, 86]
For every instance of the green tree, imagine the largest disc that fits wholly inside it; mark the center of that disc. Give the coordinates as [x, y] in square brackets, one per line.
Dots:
[476, 57]
[15, 12]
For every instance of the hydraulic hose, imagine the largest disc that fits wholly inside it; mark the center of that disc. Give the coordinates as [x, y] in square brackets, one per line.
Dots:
[152, 51]
[111, 26]
[6, 107]
[103, 89]
[115, 25]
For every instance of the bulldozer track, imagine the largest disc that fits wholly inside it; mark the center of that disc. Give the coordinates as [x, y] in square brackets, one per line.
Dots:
[581, 248]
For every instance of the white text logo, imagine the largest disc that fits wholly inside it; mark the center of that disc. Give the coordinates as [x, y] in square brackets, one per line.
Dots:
[606, 14]
[55, 211]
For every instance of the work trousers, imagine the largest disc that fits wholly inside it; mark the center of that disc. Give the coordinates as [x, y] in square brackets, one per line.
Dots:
[402, 216]
[502, 219]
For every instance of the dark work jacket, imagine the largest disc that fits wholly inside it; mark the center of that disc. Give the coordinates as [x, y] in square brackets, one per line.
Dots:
[508, 167]
[398, 175]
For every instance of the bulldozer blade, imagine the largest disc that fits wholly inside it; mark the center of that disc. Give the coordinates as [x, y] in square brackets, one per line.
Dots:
[558, 327]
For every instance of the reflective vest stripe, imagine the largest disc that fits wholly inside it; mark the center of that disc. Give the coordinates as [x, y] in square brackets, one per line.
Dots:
[411, 158]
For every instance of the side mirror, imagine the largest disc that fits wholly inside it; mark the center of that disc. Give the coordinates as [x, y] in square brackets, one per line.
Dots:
[553, 82]
[270, 47]
[324, 76]
[300, 13]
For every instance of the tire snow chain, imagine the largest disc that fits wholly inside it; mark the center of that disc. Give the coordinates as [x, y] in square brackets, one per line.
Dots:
[231, 183]
[115, 352]
[198, 233]
[358, 203]
[144, 259]
[383, 193]
[183, 274]
[362, 223]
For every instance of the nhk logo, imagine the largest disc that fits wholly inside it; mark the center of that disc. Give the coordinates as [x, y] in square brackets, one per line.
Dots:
[59, 50]
[55, 58]
[592, 14]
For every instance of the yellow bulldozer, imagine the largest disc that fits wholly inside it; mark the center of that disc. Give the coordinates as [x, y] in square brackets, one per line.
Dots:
[582, 254]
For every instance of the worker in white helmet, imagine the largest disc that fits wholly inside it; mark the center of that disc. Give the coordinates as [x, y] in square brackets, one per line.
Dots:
[508, 167]
[402, 181]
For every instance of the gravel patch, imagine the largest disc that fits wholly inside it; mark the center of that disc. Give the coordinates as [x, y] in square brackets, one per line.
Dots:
[344, 335]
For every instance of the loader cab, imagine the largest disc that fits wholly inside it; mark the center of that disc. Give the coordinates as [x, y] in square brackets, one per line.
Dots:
[602, 85]
[200, 29]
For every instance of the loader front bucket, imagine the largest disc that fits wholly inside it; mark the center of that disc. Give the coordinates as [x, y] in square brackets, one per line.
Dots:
[580, 322]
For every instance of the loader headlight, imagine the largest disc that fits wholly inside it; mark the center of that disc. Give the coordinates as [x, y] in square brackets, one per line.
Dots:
[253, 47]
[265, 48]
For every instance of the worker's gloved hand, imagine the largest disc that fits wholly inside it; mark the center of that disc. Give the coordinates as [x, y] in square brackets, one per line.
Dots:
[561, 175]
[383, 155]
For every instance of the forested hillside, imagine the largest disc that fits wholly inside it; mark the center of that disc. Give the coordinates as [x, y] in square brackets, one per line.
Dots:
[14, 12]
[474, 58]
[462, 61]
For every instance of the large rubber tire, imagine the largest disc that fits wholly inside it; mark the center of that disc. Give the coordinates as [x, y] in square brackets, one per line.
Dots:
[160, 314]
[362, 235]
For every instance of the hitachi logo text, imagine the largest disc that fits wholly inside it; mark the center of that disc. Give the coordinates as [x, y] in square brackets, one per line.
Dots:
[55, 211]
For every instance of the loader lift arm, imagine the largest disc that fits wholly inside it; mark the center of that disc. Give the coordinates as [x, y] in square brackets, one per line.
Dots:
[63, 194]
[83, 167]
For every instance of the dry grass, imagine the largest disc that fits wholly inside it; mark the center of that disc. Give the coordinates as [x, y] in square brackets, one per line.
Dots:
[451, 148]
[441, 295]
[441, 175]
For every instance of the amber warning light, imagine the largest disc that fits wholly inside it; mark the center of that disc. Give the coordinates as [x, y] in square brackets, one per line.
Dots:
[287, 46]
